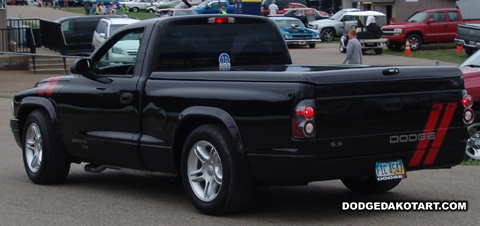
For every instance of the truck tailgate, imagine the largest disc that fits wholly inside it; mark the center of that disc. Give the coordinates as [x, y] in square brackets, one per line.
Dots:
[367, 112]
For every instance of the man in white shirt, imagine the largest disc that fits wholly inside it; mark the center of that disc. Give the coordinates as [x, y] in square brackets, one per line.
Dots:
[273, 9]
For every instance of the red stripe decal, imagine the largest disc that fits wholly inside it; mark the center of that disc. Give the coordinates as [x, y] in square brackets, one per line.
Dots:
[49, 91]
[441, 132]
[41, 91]
[429, 127]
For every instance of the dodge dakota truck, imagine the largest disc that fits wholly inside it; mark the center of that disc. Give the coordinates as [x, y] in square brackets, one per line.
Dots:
[228, 113]
[425, 26]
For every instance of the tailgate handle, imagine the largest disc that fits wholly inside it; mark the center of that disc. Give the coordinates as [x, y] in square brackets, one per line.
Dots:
[391, 71]
[393, 104]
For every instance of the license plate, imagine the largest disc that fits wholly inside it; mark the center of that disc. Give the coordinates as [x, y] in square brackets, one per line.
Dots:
[302, 42]
[390, 170]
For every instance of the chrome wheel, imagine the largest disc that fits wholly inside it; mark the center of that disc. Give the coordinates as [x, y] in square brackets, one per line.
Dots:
[473, 146]
[33, 147]
[328, 35]
[205, 172]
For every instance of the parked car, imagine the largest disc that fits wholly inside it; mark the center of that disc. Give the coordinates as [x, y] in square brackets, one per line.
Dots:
[213, 6]
[138, 5]
[425, 26]
[468, 37]
[282, 4]
[333, 27]
[17, 2]
[106, 27]
[306, 15]
[71, 35]
[217, 102]
[175, 12]
[471, 76]
[295, 33]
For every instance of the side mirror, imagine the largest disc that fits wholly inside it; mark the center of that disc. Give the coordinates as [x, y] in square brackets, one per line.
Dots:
[81, 66]
[431, 20]
[102, 35]
[207, 7]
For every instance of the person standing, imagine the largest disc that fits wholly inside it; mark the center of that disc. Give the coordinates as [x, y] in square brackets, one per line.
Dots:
[273, 8]
[103, 9]
[354, 49]
[223, 10]
[96, 9]
[87, 9]
[124, 10]
[56, 4]
[65, 4]
[113, 8]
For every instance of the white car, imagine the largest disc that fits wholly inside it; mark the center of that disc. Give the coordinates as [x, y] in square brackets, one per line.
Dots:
[106, 27]
[138, 5]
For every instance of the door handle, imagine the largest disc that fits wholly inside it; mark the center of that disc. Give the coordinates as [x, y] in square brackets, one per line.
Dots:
[126, 98]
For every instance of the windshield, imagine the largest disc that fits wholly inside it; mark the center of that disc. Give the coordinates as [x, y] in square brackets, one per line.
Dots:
[339, 14]
[289, 23]
[472, 61]
[418, 17]
[115, 27]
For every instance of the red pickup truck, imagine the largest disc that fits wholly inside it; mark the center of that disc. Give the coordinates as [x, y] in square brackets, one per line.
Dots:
[425, 26]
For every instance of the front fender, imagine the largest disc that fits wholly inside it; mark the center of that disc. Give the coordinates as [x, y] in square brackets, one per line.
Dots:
[24, 107]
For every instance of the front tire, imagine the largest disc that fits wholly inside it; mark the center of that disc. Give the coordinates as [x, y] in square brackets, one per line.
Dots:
[312, 46]
[415, 42]
[369, 185]
[342, 49]
[135, 9]
[44, 157]
[211, 174]
[328, 35]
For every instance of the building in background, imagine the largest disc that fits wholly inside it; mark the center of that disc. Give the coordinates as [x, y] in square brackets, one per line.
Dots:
[397, 10]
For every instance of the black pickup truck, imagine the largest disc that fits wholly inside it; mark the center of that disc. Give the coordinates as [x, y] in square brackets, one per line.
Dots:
[215, 100]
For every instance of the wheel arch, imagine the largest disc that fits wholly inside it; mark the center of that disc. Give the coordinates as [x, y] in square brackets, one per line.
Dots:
[28, 105]
[196, 116]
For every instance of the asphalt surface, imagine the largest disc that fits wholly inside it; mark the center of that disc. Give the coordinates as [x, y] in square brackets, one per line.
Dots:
[126, 198]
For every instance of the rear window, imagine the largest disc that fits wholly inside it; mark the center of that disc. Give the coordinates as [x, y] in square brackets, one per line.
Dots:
[200, 46]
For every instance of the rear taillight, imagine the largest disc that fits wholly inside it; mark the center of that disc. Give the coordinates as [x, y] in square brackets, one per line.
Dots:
[304, 119]
[468, 113]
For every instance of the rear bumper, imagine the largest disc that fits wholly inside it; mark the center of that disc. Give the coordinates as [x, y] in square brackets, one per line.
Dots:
[472, 44]
[301, 169]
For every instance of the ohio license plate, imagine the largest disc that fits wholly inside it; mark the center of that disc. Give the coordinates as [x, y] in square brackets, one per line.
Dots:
[390, 170]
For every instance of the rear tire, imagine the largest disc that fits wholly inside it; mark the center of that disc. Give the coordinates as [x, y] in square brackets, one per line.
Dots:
[378, 51]
[44, 157]
[211, 172]
[369, 185]
[135, 9]
[470, 51]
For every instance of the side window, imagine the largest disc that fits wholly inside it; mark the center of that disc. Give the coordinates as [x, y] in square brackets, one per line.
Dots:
[453, 16]
[119, 58]
[214, 5]
[439, 17]
[67, 26]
